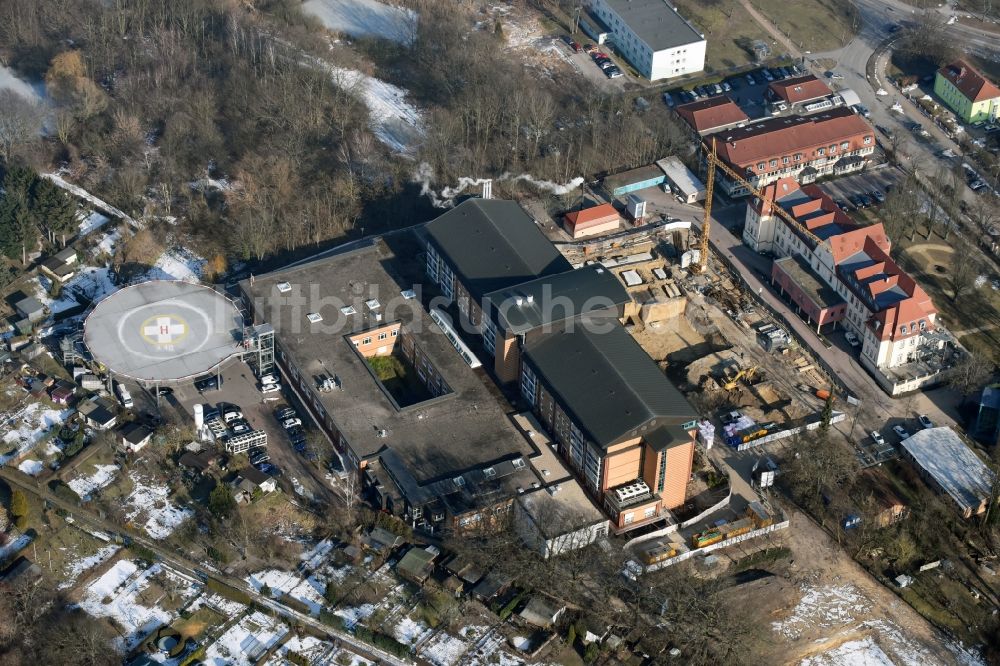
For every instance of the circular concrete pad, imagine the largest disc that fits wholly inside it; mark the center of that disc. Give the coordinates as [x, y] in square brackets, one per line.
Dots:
[163, 331]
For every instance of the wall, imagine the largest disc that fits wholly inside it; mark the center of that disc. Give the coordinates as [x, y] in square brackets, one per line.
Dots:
[679, 460]
[602, 228]
[507, 362]
[622, 464]
[376, 344]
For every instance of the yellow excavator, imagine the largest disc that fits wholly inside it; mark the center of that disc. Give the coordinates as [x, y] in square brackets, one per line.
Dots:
[746, 374]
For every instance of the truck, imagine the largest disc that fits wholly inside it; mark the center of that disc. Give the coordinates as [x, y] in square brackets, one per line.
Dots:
[124, 396]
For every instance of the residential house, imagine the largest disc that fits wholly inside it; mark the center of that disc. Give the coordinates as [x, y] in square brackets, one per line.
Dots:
[833, 142]
[652, 36]
[964, 90]
[381, 540]
[541, 612]
[949, 465]
[98, 413]
[714, 114]
[31, 309]
[492, 585]
[199, 462]
[132, 437]
[250, 482]
[417, 564]
[61, 266]
[62, 392]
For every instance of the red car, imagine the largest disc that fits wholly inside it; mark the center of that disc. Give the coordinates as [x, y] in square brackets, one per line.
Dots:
[589, 48]
[576, 46]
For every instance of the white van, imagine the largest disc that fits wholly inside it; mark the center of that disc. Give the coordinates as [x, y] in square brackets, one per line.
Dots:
[124, 396]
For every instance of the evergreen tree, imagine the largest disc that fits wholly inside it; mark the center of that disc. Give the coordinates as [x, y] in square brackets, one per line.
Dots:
[53, 209]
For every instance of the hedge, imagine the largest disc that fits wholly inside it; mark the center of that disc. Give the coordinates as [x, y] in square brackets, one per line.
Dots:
[229, 592]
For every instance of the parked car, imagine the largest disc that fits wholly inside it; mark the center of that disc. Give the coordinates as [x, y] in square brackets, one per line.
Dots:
[614, 73]
[668, 99]
[751, 80]
[207, 384]
[767, 75]
[291, 423]
[284, 412]
[842, 205]
[694, 94]
[164, 390]
[852, 339]
[925, 421]
[268, 379]
[270, 388]
[866, 200]
[877, 437]
[589, 48]
[836, 76]
[606, 64]
[878, 196]
[855, 200]
[900, 432]
[726, 87]
[232, 415]
[717, 88]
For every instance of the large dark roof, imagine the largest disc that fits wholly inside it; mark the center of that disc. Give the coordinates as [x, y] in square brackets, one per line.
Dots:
[493, 244]
[656, 23]
[606, 382]
[557, 298]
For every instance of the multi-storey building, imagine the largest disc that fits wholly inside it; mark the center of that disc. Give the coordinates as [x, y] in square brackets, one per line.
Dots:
[653, 37]
[715, 114]
[621, 426]
[801, 147]
[863, 288]
[967, 92]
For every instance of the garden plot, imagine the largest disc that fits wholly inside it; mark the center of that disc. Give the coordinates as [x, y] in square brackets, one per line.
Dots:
[444, 649]
[365, 18]
[314, 557]
[226, 607]
[316, 652]
[91, 221]
[121, 595]
[87, 485]
[149, 506]
[28, 426]
[411, 632]
[308, 591]
[78, 565]
[108, 243]
[354, 614]
[246, 641]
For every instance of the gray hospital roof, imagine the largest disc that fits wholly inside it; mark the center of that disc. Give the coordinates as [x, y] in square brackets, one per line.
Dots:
[493, 244]
[163, 331]
[952, 464]
[462, 430]
[558, 297]
[606, 382]
[656, 23]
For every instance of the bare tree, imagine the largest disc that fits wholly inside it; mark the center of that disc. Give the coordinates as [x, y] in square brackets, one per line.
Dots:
[20, 122]
[962, 276]
[970, 374]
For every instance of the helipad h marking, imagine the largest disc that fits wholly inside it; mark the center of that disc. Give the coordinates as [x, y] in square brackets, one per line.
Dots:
[164, 329]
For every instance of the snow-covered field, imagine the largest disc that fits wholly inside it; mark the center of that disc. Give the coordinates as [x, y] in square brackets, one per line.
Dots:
[865, 652]
[102, 475]
[10, 81]
[245, 642]
[26, 427]
[365, 18]
[309, 591]
[115, 595]
[74, 568]
[395, 121]
[148, 505]
[177, 263]
[823, 607]
[411, 632]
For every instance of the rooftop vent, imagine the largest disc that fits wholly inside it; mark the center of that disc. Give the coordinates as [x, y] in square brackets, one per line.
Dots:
[530, 298]
[458, 481]
[373, 304]
[408, 294]
[489, 472]
[314, 317]
[348, 311]
[518, 463]
[284, 287]
[382, 433]
[535, 484]
[518, 301]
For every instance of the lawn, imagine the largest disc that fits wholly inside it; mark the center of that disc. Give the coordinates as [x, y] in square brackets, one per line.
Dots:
[399, 379]
[729, 30]
[195, 626]
[813, 25]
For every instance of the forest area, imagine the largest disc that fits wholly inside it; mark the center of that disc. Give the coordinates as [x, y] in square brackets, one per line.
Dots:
[148, 98]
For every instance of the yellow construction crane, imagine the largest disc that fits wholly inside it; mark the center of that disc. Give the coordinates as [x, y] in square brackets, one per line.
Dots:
[712, 160]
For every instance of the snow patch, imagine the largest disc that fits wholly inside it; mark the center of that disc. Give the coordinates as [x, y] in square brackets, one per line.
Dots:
[822, 607]
[91, 221]
[149, 505]
[85, 486]
[31, 467]
[411, 632]
[353, 615]
[73, 569]
[395, 121]
[177, 263]
[308, 591]
[313, 558]
[444, 650]
[29, 425]
[865, 652]
[365, 18]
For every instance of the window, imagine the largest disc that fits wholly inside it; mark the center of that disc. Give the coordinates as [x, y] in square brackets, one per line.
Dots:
[902, 329]
[868, 140]
[649, 512]
[798, 157]
[761, 166]
[774, 163]
[845, 145]
[785, 160]
[833, 149]
[366, 341]
[821, 151]
[395, 332]
[383, 335]
[628, 518]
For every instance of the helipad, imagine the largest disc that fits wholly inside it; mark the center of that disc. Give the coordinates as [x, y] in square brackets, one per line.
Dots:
[163, 331]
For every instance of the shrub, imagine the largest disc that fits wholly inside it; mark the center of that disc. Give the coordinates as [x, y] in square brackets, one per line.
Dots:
[591, 653]
[571, 636]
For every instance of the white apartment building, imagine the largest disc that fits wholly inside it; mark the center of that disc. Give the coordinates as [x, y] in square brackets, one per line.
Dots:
[653, 37]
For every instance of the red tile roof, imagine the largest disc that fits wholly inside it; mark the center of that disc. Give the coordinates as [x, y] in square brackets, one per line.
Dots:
[706, 115]
[777, 137]
[593, 216]
[969, 81]
[800, 89]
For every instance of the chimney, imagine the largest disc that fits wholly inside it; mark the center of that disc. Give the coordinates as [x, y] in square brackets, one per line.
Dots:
[488, 189]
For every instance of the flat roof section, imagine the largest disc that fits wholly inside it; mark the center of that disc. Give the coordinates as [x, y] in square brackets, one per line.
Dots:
[656, 23]
[811, 284]
[952, 464]
[163, 331]
[438, 438]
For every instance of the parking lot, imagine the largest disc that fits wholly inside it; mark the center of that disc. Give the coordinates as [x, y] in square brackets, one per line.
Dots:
[748, 96]
[240, 387]
[880, 177]
[585, 64]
